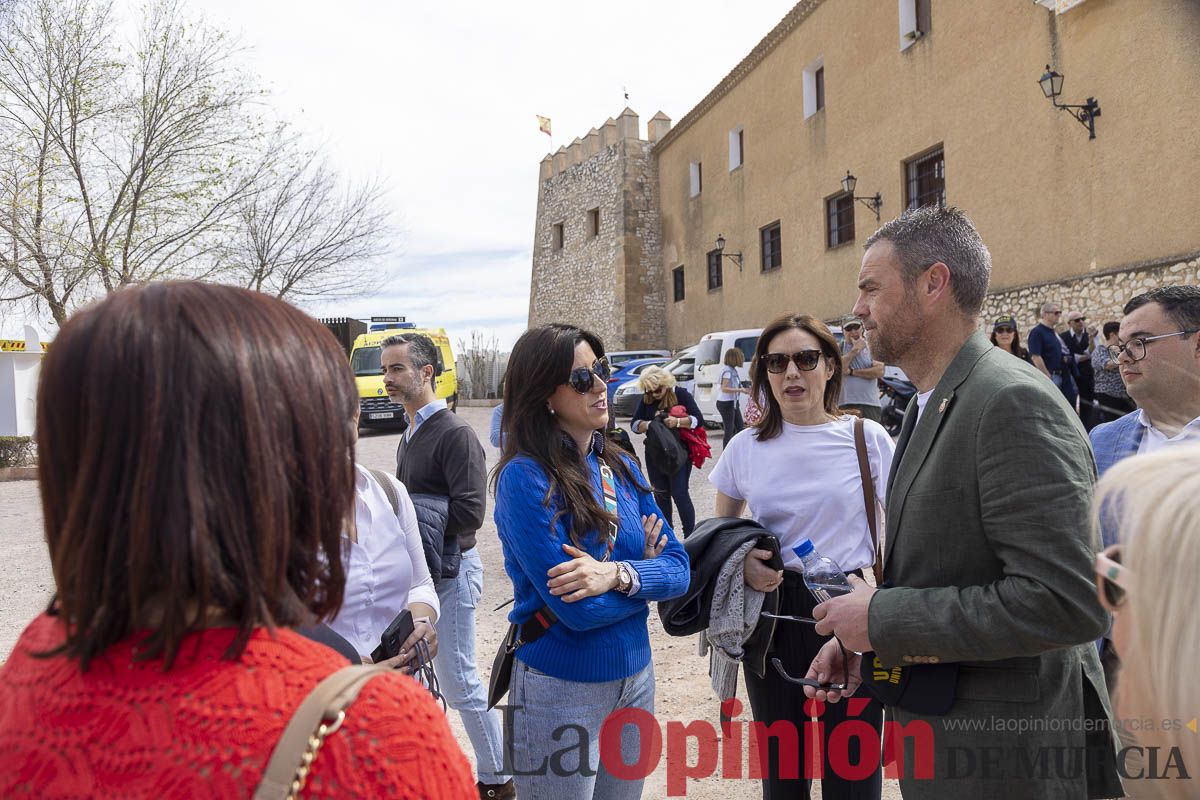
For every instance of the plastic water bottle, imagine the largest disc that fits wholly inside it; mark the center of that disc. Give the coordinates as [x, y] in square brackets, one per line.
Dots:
[822, 575]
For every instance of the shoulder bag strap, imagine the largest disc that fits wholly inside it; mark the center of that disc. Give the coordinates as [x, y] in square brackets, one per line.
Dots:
[868, 491]
[382, 479]
[320, 715]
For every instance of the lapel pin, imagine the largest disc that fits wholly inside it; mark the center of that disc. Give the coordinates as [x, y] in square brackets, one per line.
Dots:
[942, 407]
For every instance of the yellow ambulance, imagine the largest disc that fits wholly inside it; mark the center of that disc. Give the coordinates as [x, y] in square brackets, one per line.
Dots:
[377, 409]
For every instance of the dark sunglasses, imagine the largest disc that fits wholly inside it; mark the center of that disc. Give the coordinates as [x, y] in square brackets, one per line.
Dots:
[805, 361]
[1006, 330]
[581, 379]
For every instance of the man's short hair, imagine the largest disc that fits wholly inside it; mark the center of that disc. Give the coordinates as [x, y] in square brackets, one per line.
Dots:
[1046, 307]
[924, 236]
[1181, 303]
[1110, 328]
[421, 349]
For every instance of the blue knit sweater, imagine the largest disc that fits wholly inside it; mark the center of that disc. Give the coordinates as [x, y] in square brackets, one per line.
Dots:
[602, 638]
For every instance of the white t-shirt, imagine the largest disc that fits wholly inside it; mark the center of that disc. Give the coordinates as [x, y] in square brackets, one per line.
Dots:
[805, 484]
[922, 400]
[386, 570]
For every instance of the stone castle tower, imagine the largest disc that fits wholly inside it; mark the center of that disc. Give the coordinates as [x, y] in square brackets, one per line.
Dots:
[597, 253]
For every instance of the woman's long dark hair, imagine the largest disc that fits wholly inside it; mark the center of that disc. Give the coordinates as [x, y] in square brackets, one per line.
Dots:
[771, 423]
[541, 361]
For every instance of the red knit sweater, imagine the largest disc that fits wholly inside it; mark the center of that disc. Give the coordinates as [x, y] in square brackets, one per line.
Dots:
[207, 727]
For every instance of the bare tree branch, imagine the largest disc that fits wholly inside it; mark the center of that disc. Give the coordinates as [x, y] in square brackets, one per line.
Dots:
[305, 234]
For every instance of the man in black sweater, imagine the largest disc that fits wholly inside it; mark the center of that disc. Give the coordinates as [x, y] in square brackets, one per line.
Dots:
[440, 454]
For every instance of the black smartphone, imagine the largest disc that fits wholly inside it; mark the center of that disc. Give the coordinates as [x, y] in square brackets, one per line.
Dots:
[395, 635]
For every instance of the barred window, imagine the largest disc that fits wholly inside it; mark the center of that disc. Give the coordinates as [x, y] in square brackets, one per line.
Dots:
[714, 269]
[839, 220]
[927, 180]
[772, 255]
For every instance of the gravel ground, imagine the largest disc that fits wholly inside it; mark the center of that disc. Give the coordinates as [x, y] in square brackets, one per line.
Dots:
[683, 690]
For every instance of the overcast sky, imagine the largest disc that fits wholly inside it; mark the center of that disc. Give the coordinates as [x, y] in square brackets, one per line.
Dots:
[439, 100]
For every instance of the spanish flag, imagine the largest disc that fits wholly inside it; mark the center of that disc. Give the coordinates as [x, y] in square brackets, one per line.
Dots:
[544, 125]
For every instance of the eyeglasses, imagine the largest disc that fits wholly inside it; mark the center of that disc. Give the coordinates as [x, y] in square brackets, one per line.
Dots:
[1113, 581]
[805, 360]
[1006, 330]
[1136, 347]
[1059, 311]
[581, 379]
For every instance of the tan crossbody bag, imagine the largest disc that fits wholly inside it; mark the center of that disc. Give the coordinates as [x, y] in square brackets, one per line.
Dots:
[318, 717]
[868, 491]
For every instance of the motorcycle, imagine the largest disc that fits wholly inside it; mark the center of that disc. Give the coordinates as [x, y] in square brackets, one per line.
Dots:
[896, 393]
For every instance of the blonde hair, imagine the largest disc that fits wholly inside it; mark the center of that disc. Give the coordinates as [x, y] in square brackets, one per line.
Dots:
[654, 378]
[1153, 501]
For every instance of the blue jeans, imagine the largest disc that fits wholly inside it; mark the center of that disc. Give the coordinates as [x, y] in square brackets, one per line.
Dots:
[456, 670]
[554, 722]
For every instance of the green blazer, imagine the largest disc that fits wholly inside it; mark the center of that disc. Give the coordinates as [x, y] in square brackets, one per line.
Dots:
[989, 549]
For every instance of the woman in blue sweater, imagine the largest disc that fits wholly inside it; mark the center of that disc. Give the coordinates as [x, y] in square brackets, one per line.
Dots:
[581, 538]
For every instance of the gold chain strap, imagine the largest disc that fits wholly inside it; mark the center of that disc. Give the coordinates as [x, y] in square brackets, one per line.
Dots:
[310, 754]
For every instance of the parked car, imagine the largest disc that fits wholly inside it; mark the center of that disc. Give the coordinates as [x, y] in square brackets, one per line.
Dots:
[629, 371]
[625, 397]
[621, 357]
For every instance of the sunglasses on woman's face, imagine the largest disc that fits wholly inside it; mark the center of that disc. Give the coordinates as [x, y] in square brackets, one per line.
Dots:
[1112, 579]
[805, 361]
[1006, 330]
[581, 377]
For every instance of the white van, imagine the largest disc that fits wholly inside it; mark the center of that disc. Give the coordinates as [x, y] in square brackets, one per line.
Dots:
[709, 355]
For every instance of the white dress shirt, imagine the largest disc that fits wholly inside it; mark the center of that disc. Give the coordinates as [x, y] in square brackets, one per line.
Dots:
[1153, 439]
[386, 570]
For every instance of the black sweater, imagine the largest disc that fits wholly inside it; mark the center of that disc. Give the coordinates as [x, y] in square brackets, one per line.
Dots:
[445, 458]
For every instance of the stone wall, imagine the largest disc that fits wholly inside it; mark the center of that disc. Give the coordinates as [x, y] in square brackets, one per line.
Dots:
[1100, 296]
[579, 284]
[612, 282]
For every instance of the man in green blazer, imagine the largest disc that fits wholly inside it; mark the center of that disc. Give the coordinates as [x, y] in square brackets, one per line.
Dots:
[988, 557]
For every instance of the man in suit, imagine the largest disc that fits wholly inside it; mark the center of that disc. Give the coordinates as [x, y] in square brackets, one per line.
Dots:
[1079, 343]
[986, 566]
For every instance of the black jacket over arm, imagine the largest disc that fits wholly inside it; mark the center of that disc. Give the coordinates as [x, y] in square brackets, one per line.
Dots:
[445, 458]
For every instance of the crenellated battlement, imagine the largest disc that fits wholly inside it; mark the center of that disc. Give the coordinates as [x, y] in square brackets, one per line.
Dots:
[625, 126]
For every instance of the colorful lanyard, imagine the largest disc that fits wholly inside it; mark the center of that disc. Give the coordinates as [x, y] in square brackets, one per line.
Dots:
[610, 505]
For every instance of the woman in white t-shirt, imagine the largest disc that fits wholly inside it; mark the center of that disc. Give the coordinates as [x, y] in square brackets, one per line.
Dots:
[798, 471]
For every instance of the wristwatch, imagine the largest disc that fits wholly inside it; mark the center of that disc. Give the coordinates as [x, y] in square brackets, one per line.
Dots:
[624, 579]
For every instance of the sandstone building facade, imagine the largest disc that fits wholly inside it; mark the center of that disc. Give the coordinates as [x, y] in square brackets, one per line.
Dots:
[924, 101]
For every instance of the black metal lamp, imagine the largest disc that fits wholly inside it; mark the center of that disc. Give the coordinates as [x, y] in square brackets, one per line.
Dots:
[874, 203]
[734, 257]
[1052, 83]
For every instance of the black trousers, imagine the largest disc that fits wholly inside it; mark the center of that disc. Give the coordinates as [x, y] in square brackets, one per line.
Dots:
[731, 420]
[674, 487]
[774, 699]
